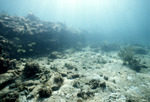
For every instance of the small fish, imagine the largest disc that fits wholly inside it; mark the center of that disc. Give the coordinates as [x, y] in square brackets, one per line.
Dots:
[21, 50]
[19, 45]
[16, 38]
[31, 44]
[31, 50]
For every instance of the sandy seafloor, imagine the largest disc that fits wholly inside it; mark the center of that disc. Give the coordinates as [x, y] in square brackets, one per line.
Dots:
[91, 76]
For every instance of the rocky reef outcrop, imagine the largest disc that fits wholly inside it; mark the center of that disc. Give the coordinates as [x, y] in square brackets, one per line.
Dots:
[26, 36]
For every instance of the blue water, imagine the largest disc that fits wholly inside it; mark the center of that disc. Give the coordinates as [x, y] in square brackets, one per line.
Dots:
[103, 19]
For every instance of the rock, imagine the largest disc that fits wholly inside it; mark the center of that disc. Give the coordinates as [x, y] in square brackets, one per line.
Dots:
[8, 49]
[103, 85]
[128, 57]
[10, 97]
[79, 100]
[31, 69]
[55, 55]
[94, 83]
[107, 47]
[6, 64]
[69, 66]
[63, 74]
[85, 94]
[76, 84]
[105, 77]
[101, 60]
[57, 82]
[45, 92]
[6, 79]
[19, 32]
[73, 76]
[32, 17]
[139, 50]
[58, 79]
[56, 87]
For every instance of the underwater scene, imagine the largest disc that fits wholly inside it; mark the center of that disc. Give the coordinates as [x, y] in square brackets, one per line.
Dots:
[74, 50]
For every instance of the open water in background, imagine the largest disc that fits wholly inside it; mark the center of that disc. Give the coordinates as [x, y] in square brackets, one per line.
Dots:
[113, 20]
